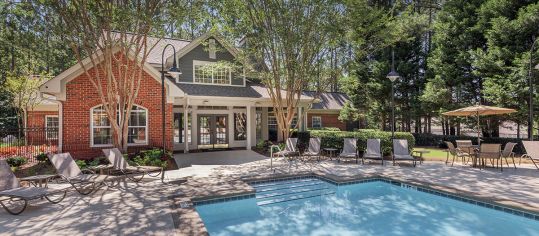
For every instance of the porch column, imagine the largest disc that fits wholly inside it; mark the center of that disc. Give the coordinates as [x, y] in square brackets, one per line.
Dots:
[186, 125]
[249, 129]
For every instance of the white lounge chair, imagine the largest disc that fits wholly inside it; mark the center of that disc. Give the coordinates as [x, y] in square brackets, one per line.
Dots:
[373, 151]
[290, 153]
[349, 150]
[401, 152]
[119, 163]
[14, 198]
[84, 183]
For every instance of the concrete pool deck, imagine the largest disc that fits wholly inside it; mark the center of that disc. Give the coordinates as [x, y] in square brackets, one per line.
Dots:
[156, 208]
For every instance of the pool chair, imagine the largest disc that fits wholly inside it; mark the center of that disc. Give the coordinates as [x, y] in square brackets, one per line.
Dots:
[532, 152]
[134, 173]
[349, 150]
[373, 151]
[313, 150]
[401, 152]
[456, 153]
[489, 151]
[507, 152]
[290, 152]
[84, 183]
[15, 198]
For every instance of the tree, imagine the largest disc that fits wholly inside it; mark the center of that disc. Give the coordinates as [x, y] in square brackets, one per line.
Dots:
[289, 40]
[24, 90]
[113, 35]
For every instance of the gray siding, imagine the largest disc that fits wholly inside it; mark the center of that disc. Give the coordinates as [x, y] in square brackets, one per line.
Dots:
[201, 53]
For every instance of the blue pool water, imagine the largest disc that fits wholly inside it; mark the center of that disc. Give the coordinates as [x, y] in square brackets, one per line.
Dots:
[314, 207]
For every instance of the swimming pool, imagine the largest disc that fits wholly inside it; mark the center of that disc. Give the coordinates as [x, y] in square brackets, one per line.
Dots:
[311, 206]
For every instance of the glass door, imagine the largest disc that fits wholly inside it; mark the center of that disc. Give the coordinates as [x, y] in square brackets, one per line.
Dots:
[212, 131]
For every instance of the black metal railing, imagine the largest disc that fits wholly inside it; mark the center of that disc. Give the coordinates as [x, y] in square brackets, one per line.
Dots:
[28, 142]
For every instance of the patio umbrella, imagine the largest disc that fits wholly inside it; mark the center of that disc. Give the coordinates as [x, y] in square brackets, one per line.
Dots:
[479, 110]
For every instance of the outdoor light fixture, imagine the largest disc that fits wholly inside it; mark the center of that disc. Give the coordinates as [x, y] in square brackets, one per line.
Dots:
[175, 73]
[392, 76]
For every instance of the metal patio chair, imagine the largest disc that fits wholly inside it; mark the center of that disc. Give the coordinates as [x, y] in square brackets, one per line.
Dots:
[120, 164]
[349, 150]
[507, 152]
[14, 198]
[373, 151]
[314, 149]
[84, 183]
[456, 153]
[532, 152]
[290, 153]
[401, 152]
[490, 151]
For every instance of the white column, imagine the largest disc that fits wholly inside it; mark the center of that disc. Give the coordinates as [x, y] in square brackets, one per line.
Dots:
[249, 129]
[186, 125]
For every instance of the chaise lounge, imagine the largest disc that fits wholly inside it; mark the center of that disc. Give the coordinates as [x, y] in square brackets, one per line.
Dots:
[401, 152]
[119, 163]
[373, 151]
[12, 192]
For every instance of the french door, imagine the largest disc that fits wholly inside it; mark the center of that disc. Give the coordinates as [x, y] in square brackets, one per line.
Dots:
[212, 131]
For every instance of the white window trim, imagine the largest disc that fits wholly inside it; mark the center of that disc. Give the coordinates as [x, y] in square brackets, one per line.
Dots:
[202, 63]
[46, 126]
[110, 126]
[312, 121]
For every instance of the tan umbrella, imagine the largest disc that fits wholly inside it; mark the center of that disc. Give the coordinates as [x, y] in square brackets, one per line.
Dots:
[479, 110]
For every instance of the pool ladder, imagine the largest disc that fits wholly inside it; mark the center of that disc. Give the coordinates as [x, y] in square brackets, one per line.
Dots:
[290, 190]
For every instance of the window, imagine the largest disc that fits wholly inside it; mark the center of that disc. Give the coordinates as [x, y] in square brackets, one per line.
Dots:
[317, 122]
[101, 130]
[272, 123]
[211, 73]
[51, 127]
[240, 126]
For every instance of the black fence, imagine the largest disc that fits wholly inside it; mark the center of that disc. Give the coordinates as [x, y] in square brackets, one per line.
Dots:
[28, 142]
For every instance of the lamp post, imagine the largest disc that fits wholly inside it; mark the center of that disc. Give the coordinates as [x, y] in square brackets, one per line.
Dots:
[392, 76]
[530, 81]
[174, 72]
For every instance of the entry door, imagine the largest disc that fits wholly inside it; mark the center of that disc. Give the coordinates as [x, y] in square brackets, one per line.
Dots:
[212, 131]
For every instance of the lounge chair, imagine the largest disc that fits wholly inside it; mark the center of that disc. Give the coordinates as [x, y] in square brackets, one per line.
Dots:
[507, 152]
[70, 172]
[349, 150]
[532, 152]
[401, 152]
[489, 151]
[314, 149]
[290, 152]
[373, 151]
[119, 163]
[11, 191]
[456, 153]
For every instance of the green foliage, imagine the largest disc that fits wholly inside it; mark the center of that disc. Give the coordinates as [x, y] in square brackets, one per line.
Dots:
[82, 164]
[42, 157]
[335, 139]
[152, 157]
[16, 161]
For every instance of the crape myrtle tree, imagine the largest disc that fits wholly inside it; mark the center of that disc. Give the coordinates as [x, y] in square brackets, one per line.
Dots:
[286, 42]
[113, 35]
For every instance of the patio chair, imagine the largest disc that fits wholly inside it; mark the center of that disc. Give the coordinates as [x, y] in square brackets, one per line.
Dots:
[532, 152]
[401, 152]
[507, 152]
[70, 172]
[349, 150]
[465, 146]
[456, 153]
[489, 151]
[373, 151]
[17, 196]
[290, 152]
[314, 148]
[120, 164]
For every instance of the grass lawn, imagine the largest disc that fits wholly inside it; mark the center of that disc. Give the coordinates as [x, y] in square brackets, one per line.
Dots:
[435, 154]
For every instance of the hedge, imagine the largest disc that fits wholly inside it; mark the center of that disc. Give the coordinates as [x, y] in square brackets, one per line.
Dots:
[335, 139]
[436, 140]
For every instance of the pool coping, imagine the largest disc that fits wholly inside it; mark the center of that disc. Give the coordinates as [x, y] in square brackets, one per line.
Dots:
[186, 205]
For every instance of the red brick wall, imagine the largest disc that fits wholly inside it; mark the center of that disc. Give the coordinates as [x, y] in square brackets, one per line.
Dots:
[328, 120]
[35, 124]
[82, 96]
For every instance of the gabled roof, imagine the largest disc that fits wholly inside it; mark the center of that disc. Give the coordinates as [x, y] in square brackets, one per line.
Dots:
[193, 44]
[328, 100]
[154, 57]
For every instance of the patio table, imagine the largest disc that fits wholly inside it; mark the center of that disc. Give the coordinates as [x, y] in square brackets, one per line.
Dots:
[421, 152]
[331, 152]
[100, 168]
[38, 180]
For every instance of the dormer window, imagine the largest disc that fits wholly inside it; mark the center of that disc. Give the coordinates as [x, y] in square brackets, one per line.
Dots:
[206, 72]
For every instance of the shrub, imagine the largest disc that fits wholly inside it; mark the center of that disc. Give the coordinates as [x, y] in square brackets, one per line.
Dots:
[16, 162]
[335, 139]
[152, 157]
[42, 157]
[82, 164]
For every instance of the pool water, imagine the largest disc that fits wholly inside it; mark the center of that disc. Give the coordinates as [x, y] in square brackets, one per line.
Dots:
[315, 207]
